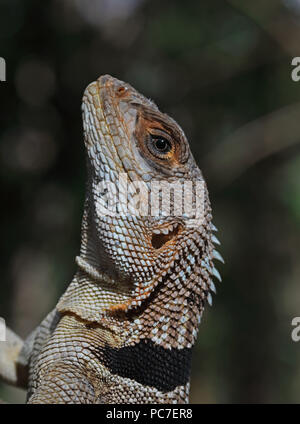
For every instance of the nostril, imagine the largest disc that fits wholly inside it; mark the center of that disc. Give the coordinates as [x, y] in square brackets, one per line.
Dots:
[121, 90]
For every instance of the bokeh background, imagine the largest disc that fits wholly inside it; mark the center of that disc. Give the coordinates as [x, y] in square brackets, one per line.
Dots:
[222, 69]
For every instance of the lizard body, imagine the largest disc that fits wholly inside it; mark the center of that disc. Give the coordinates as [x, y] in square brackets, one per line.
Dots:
[124, 330]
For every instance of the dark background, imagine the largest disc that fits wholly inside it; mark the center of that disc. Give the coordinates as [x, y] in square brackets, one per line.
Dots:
[223, 70]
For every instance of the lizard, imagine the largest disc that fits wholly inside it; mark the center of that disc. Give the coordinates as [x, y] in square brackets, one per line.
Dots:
[124, 330]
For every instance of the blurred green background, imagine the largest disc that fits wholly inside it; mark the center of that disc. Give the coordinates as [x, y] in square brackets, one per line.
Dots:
[222, 69]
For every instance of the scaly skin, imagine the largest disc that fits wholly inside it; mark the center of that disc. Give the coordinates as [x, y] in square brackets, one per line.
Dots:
[123, 331]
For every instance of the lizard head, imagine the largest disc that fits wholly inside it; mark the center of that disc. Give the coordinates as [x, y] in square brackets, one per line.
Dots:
[148, 218]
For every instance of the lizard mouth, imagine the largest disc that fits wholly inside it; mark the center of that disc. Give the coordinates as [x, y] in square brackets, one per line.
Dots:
[162, 235]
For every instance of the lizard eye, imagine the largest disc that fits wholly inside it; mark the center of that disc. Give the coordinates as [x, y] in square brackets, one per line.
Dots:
[160, 146]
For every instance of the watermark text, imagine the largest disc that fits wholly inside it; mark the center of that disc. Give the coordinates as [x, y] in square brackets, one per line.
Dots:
[2, 69]
[2, 330]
